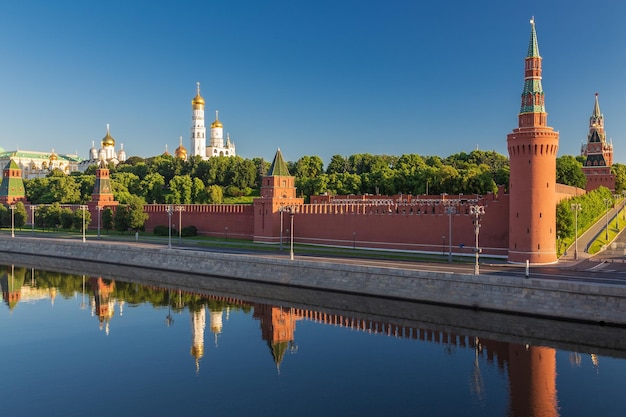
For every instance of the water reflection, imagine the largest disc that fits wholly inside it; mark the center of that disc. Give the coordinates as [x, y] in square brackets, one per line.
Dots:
[531, 370]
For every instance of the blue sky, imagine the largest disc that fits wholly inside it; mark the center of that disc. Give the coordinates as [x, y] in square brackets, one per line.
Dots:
[311, 77]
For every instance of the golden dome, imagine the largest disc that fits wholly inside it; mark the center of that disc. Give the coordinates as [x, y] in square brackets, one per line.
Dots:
[53, 156]
[217, 122]
[197, 100]
[181, 152]
[108, 139]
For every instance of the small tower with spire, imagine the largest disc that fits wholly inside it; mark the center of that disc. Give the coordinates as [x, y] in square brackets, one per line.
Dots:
[598, 153]
[12, 186]
[102, 194]
[532, 148]
[278, 193]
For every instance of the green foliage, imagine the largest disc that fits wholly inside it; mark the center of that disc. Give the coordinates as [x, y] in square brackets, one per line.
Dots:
[189, 231]
[136, 216]
[570, 172]
[593, 206]
[620, 177]
[67, 218]
[79, 220]
[20, 215]
[107, 219]
[161, 230]
[215, 195]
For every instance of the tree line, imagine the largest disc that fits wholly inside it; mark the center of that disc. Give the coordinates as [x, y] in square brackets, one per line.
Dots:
[165, 179]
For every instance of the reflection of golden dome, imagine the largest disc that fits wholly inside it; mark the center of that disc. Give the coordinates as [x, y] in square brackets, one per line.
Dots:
[197, 100]
[108, 139]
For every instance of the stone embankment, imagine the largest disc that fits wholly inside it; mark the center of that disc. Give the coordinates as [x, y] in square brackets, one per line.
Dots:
[573, 301]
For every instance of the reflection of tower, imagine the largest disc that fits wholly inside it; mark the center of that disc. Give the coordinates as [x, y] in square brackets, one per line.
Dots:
[532, 377]
[215, 323]
[198, 320]
[532, 381]
[12, 281]
[104, 303]
[278, 327]
[532, 150]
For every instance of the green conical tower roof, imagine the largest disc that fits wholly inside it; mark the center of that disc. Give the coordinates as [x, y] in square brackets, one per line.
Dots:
[533, 46]
[279, 166]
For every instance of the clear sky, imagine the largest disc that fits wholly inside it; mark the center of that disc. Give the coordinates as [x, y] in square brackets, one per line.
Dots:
[319, 77]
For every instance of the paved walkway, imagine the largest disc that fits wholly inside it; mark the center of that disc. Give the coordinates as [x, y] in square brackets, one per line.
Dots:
[594, 232]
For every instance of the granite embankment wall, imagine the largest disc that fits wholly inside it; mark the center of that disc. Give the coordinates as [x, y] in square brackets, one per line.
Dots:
[535, 297]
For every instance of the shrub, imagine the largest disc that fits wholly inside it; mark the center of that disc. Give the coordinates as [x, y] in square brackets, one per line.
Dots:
[162, 231]
[189, 231]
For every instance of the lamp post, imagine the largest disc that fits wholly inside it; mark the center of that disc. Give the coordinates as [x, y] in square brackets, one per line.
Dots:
[606, 234]
[180, 210]
[477, 211]
[353, 240]
[450, 211]
[291, 231]
[83, 207]
[12, 207]
[443, 245]
[616, 197]
[576, 207]
[280, 248]
[226, 233]
[169, 210]
[99, 209]
[32, 219]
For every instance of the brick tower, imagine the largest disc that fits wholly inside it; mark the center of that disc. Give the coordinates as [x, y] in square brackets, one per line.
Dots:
[12, 187]
[102, 194]
[598, 153]
[278, 192]
[532, 150]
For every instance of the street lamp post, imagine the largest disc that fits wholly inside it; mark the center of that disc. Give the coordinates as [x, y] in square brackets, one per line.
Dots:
[616, 198]
[83, 207]
[450, 211]
[576, 207]
[169, 210]
[12, 207]
[32, 219]
[353, 240]
[180, 210]
[606, 234]
[99, 209]
[280, 249]
[291, 231]
[477, 211]
[226, 233]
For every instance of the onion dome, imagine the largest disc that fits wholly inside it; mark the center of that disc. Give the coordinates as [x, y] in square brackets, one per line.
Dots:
[108, 139]
[93, 152]
[217, 122]
[53, 156]
[181, 152]
[121, 155]
[166, 153]
[197, 101]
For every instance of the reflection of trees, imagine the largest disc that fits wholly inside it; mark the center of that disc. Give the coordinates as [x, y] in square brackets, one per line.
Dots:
[67, 285]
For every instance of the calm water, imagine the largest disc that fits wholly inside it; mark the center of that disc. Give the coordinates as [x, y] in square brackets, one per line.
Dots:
[87, 346]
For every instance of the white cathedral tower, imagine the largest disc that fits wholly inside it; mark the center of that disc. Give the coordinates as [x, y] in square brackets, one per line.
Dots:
[198, 133]
[198, 130]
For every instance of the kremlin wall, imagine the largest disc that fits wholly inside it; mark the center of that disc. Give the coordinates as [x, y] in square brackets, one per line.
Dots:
[519, 225]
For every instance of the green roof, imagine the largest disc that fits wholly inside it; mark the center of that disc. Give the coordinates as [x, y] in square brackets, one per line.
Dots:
[533, 46]
[279, 167]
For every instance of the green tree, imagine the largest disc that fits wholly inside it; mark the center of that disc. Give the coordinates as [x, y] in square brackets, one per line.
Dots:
[67, 218]
[620, 176]
[19, 215]
[78, 220]
[107, 219]
[215, 195]
[152, 188]
[136, 215]
[198, 192]
[180, 190]
[121, 218]
[570, 172]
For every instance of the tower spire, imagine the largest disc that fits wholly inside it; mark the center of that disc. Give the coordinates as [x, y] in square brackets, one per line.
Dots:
[533, 46]
[532, 111]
